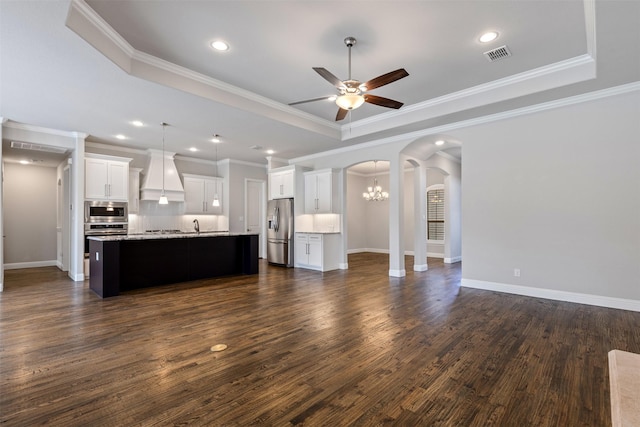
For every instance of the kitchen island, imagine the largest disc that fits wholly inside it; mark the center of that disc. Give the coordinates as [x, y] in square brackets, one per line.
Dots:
[120, 263]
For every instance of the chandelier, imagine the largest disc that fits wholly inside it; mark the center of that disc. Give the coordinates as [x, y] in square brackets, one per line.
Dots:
[375, 193]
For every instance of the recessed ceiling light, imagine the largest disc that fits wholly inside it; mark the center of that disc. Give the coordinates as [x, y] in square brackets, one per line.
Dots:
[193, 149]
[215, 139]
[219, 45]
[25, 162]
[120, 136]
[270, 151]
[488, 37]
[439, 142]
[137, 123]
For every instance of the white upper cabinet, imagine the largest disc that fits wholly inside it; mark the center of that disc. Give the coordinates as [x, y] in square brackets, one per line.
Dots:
[200, 192]
[134, 190]
[106, 178]
[321, 191]
[281, 184]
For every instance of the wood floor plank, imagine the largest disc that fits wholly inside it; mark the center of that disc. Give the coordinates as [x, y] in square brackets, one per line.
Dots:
[340, 348]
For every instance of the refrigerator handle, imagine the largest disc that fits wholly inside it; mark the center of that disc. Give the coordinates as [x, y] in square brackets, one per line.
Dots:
[276, 216]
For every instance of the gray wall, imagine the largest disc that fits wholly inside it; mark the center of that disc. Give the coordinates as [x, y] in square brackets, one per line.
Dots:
[557, 195]
[30, 214]
[368, 222]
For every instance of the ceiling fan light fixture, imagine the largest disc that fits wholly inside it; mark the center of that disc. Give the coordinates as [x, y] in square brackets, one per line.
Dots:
[350, 101]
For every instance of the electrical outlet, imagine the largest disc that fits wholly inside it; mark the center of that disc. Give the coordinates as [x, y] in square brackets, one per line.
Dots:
[516, 272]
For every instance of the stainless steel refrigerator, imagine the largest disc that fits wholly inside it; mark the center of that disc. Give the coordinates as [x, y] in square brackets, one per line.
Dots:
[280, 232]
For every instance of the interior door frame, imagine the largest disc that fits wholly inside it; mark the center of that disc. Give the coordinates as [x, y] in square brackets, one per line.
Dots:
[262, 246]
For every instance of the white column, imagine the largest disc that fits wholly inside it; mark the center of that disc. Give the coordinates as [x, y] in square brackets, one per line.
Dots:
[420, 218]
[76, 265]
[344, 238]
[2, 120]
[396, 217]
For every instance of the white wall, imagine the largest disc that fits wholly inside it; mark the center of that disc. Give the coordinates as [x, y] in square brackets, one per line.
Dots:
[238, 172]
[30, 215]
[556, 194]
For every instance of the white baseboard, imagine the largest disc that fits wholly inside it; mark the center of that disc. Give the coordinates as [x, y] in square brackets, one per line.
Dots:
[597, 300]
[452, 260]
[435, 255]
[79, 277]
[30, 264]
[343, 266]
[420, 267]
[398, 273]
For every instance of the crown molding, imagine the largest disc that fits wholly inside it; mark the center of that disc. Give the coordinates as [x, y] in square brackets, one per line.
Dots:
[561, 73]
[39, 129]
[412, 136]
[85, 22]
[100, 145]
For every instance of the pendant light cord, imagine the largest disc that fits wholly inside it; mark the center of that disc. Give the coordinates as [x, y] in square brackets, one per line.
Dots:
[163, 171]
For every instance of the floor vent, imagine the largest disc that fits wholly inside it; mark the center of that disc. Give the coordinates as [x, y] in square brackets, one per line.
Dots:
[37, 147]
[497, 53]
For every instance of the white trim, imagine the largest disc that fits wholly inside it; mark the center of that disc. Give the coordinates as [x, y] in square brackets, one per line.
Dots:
[343, 266]
[80, 277]
[435, 255]
[452, 260]
[574, 297]
[420, 267]
[590, 26]
[374, 250]
[397, 273]
[96, 31]
[39, 129]
[412, 136]
[30, 264]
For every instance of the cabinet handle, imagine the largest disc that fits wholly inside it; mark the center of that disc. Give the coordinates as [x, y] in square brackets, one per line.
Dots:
[281, 189]
[109, 189]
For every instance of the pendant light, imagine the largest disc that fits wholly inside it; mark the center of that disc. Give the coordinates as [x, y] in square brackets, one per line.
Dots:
[216, 200]
[163, 199]
[375, 193]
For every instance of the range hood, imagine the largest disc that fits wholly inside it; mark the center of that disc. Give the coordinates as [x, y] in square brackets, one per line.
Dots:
[151, 188]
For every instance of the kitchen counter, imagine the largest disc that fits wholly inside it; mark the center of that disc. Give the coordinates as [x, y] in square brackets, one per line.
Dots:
[125, 262]
[163, 235]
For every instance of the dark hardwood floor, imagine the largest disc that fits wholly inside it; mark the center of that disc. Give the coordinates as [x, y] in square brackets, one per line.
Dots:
[343, 348]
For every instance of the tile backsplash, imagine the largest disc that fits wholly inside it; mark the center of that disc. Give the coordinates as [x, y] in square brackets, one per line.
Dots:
[153, 216]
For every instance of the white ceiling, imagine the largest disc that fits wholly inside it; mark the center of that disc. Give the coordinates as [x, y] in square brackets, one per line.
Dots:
[95, 66]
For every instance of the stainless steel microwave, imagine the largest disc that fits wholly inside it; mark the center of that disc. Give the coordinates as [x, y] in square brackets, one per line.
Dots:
[99, 211]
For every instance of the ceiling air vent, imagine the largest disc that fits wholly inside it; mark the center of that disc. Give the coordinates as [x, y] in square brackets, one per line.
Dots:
[37, 147]
[497, 53]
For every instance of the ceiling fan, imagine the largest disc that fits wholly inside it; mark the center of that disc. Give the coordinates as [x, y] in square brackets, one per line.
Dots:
[353, 93]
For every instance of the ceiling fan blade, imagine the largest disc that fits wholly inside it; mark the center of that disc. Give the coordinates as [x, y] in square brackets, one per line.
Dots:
[386, 79]
[383, 102]
[326, 74]
[342, 113]
[324, 98]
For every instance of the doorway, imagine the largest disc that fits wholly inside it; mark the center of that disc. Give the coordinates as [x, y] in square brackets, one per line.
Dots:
[255, 207]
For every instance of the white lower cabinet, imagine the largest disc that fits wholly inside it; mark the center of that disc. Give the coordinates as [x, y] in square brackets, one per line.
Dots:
[317, 251]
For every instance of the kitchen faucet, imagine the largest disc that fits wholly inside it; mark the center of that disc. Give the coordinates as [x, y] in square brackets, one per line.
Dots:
[196, 225]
